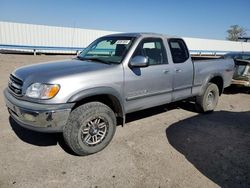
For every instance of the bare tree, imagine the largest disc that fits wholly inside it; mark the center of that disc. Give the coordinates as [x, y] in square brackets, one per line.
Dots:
[235, 31]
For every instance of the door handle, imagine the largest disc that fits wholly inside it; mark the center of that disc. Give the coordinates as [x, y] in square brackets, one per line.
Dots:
[178, 70]
[165, 71]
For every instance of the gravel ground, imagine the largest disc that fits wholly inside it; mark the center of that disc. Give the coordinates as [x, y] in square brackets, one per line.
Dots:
[167, 146]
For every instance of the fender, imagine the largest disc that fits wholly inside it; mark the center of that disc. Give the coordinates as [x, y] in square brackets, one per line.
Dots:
[100, 91]
[210, 77]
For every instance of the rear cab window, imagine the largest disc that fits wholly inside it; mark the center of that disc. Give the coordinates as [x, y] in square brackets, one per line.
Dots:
[178, 50]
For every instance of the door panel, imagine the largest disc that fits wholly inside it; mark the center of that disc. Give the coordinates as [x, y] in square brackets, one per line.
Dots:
[147, 87]
[152, 85]
[183, 80]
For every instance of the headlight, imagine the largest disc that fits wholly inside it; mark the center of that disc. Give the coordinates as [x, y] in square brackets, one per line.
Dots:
[42, 91]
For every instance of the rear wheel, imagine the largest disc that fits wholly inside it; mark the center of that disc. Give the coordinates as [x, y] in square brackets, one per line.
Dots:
[90, 128]
[208, 101]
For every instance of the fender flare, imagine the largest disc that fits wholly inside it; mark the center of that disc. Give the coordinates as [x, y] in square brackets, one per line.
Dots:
[100, 91]
[208, 79]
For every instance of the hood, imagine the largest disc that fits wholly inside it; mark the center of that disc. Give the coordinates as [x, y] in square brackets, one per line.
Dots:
[57, 69]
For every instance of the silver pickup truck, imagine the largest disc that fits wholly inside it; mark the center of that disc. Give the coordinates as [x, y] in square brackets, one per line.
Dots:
[88, 96]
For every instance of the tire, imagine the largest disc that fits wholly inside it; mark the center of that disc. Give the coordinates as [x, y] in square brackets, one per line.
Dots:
[90, 128]
[207, 102]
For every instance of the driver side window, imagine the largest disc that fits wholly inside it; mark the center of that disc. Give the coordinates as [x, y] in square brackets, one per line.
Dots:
[154, 49]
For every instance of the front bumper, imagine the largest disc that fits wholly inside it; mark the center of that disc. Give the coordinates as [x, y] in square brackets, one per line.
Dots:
[38, 117]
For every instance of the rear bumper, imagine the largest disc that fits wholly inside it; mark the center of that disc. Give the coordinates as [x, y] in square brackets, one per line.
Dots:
[241, 82]
[38, 117]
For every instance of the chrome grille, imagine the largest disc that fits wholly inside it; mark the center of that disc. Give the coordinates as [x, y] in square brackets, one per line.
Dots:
[15, 85]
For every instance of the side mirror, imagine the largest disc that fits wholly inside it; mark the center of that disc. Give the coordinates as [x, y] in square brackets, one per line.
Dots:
[139, 61]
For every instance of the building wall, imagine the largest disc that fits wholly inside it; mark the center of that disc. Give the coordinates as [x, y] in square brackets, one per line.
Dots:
[216, 45]
[52, 36]
[42, 35]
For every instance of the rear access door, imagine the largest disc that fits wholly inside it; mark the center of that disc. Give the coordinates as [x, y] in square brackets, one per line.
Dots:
[183, 69]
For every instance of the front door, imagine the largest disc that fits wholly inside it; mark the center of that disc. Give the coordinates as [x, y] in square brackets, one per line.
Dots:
[148, 86]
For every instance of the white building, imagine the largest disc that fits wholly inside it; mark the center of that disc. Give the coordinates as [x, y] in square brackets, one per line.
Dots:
[27, 37]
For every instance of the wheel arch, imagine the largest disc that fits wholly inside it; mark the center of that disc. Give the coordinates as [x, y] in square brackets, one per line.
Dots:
[216, 79]
[106, 95]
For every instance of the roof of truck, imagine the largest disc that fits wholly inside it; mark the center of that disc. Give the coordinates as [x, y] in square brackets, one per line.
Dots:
[140, 34]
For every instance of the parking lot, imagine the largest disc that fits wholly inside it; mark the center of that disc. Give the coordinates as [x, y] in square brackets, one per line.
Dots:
[167, 146]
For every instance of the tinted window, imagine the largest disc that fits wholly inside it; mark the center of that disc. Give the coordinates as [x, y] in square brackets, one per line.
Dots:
[178, 50]
[152, 48]
[243, 56]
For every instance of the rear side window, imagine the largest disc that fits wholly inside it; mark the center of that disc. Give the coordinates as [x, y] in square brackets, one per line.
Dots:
[245, 57]
[178, 50]
[154, 49]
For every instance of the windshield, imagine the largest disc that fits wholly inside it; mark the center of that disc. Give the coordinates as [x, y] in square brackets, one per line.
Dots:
[107, 49]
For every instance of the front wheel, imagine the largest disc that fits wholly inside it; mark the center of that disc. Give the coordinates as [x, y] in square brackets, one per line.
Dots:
[208, 101]
[90, 128]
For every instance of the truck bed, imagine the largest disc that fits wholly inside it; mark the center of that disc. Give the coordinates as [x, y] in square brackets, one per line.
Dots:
[204, 68]
[197, 58]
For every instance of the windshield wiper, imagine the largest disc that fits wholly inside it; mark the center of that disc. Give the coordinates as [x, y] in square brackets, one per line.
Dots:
[94, 59]
[98, 60]
[79, 57]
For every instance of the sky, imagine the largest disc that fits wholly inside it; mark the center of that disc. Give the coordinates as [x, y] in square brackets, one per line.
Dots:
[190, 18]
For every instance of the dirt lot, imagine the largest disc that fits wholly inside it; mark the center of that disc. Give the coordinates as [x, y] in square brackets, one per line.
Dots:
[167, 146]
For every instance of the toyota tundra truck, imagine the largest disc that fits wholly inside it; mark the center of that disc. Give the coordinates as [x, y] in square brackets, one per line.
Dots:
[86, 97]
